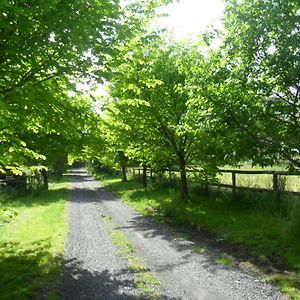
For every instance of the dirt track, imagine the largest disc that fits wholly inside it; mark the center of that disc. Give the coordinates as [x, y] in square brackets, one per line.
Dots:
[95, 270]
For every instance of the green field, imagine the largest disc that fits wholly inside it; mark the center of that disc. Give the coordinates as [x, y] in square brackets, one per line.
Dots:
[32, 238]
[263, 181]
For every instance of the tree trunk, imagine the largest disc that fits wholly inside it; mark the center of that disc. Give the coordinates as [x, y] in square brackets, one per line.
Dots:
[60, 164]
[45, 178]
[22, 185]
[183, 178]
[145, 183]
[124, 175]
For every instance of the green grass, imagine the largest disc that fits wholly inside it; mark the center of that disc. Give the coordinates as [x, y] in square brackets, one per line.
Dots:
[31, 243]
[145, 280]
[119, 240]
[252, 221]
[201, 250]
[263, 181]
[148, 283]
[225, 260]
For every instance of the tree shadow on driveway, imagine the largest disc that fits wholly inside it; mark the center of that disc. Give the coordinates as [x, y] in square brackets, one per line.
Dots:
[80, 283]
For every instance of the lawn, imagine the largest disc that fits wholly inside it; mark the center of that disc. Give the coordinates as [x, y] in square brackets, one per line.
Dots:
[33, 232]
[250, 220]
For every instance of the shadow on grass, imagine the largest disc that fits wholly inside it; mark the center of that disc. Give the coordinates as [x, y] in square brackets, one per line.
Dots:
[25, 270]
[192, 218]
[40, 198]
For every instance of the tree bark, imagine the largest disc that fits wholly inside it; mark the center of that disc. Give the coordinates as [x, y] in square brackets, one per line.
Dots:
[60, 164]
[124, 175]
[45, 178]
[145, 183]
[183, 177]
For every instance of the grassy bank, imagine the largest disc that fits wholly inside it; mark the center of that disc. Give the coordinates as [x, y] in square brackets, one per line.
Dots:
[32, 237]
[251, 222]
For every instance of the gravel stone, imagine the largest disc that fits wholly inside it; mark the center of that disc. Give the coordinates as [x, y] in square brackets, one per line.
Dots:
[93, 270]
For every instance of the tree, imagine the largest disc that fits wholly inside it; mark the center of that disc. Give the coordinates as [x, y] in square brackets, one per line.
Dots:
[44, 46]
[151, 100]
[51, 126]
[252, 82]
[272, 54]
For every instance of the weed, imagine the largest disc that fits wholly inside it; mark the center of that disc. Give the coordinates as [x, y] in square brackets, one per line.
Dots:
[146, 281]
[200, 250]
[121, 241]
[7, 215]
[135, 263]
[225, 260]
[288, 283]
[105, 217]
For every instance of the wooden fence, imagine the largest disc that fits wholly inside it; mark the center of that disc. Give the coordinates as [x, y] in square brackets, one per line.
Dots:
[25, 183]
[275, 178]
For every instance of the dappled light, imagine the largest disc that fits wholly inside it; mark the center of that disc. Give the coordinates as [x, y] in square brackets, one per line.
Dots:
[137, 164]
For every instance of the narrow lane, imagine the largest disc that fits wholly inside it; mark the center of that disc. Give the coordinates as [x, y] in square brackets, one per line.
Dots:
[94, 271]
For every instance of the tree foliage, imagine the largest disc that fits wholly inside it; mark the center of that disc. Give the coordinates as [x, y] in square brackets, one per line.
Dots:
[262, 44]
[150, 111]
[251, 85]
[46, 47]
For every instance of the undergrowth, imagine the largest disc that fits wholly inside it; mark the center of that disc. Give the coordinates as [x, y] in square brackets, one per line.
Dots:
[252, 220]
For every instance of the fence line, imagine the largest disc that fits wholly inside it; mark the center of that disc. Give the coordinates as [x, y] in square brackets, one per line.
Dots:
[275, 180]
[26, 182]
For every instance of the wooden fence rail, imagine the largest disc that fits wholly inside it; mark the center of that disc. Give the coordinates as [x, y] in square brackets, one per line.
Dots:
[26, 183]
[275, 178]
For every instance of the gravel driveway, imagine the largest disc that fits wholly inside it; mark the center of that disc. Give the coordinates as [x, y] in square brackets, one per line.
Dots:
[95, 270]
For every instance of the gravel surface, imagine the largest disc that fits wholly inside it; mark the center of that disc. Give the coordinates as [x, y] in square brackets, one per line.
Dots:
[94, 270]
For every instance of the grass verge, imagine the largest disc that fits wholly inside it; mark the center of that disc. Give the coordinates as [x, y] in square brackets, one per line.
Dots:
[33, 232]
[146, 281]
[266, 234]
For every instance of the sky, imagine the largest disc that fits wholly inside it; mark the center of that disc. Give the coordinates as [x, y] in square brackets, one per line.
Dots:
[188, 18]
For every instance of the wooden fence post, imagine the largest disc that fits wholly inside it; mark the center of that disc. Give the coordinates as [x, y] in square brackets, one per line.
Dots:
[275, 182]
[145, 176]
[276, 188]
[233, 177]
